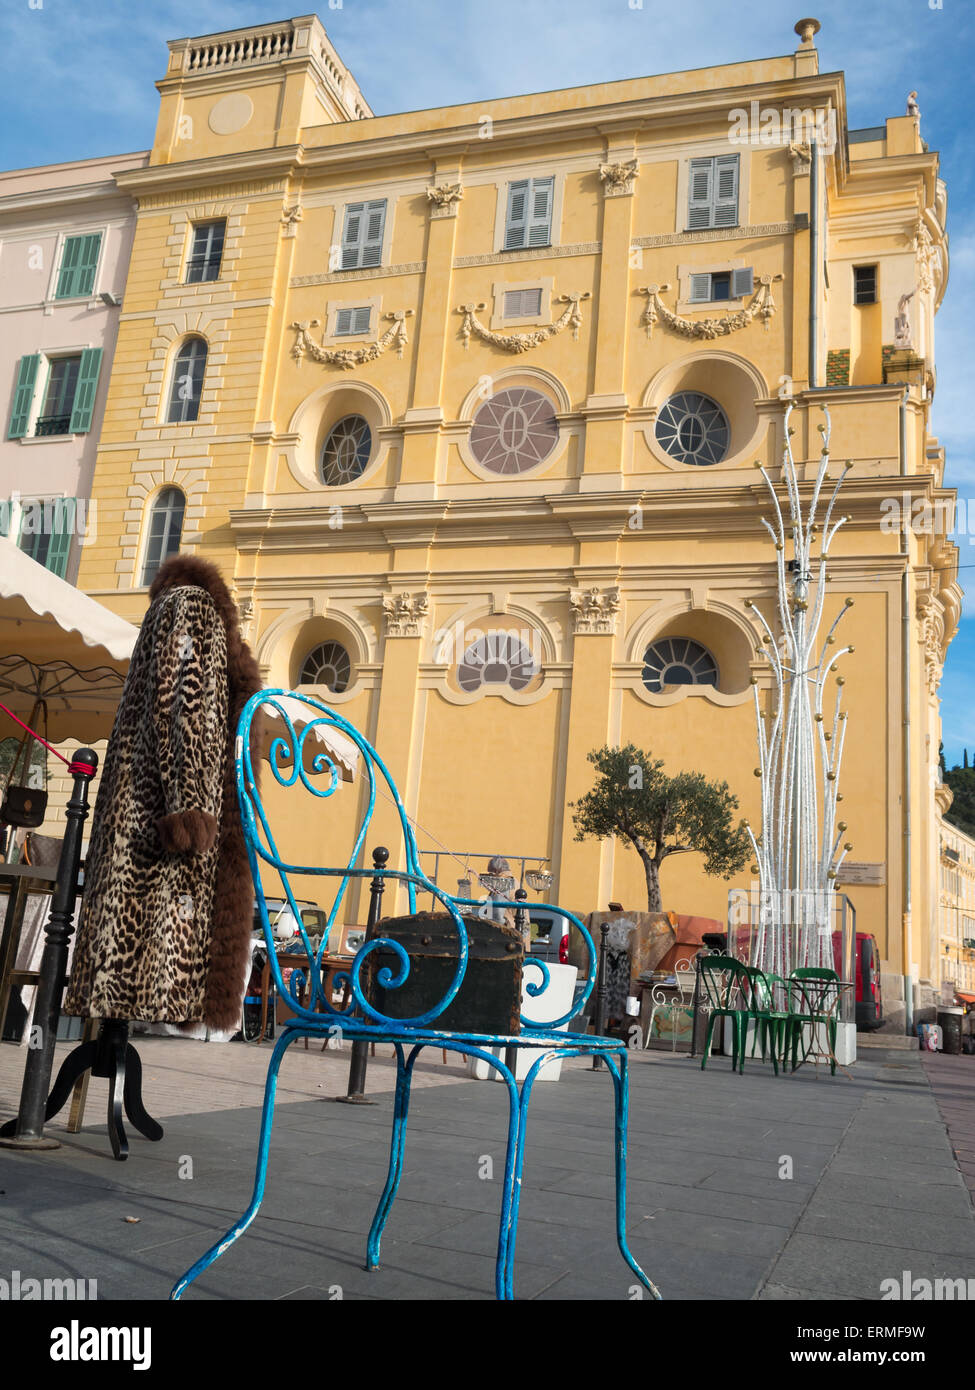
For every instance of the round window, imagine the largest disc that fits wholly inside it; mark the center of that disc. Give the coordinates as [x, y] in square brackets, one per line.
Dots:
[677, 661]
[346, 451]
[693, 428]
[497, 658]
[514, 431]
[327, 665]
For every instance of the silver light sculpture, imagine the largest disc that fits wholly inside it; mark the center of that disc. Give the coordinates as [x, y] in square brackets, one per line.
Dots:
[801, 847]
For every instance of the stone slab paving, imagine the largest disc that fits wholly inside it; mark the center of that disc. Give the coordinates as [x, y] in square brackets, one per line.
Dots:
[740, 1187]
[953, 1083]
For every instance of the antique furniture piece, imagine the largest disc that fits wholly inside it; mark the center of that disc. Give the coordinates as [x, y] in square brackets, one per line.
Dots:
[362, 1020]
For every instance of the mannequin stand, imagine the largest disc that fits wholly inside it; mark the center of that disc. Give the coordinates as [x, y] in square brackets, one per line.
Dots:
[110, 1055]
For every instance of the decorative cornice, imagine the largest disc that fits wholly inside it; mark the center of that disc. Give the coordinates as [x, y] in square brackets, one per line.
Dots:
[350, 358]
[523, 342]
[594, 611]
[210, 194]
[619, 179]
[338, 277]
[535, 253]
[405, 614]
[762, 306]
[444, 199]
[716, 234]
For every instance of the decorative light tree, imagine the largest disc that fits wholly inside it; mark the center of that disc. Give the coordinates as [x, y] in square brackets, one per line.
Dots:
[801, 844]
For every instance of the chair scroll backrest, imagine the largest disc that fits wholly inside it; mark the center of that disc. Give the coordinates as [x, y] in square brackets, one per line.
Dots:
[725, 982]
[297, 767]
[815, 990]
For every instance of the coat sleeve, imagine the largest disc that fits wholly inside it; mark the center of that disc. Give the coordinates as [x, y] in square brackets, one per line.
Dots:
[190, 717]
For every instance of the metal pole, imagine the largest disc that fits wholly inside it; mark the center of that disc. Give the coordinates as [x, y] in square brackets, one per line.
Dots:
[29, 1133]
[601, 991]
[360, 1048]
[523, 923]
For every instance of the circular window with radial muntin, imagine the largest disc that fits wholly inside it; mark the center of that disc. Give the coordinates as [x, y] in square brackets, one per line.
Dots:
[328, 664]
[346, 452]
[514, 431]
[496, 658]
[674, 661]
[693, 428]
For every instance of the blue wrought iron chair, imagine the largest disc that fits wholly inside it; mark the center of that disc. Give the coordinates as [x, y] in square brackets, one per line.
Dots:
[316, 1015]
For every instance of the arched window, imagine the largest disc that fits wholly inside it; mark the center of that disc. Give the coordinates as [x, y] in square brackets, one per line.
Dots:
[514, 431]
[328, 664]
[677, 661]
[165, 530]
[346, 451]
[497, 658]
[186, 387]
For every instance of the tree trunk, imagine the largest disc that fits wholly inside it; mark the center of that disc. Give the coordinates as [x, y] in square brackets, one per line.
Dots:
[652, 871]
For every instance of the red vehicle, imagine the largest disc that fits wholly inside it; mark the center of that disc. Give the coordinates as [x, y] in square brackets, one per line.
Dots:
[869, 1003]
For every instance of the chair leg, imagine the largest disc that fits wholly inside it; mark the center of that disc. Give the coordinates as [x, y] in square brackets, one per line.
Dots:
[397, 1144]
[707, 1040]
[264, 1144]
[621, 1091]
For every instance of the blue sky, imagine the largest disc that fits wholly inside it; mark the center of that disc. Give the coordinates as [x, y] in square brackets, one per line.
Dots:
[79, 74]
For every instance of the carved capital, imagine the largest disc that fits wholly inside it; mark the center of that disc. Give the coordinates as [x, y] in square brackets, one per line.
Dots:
[620, 178]
[931, 633]
[444, 199]
[290, 218]
[404, 614]
[594, 611]
[801, 152]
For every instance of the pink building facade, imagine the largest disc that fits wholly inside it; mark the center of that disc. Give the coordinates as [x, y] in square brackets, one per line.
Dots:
[65, 238]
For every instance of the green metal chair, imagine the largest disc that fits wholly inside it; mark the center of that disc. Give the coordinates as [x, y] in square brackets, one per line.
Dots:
[815, 998]
[770, 1021]
[727, 989]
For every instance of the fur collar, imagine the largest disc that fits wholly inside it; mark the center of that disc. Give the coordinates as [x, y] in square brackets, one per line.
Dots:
[180, 570]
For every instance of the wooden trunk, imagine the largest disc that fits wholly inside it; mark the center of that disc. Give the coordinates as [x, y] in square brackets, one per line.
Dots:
[489, 998]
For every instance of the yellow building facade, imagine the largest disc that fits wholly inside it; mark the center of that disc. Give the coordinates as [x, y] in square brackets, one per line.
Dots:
[466, 402]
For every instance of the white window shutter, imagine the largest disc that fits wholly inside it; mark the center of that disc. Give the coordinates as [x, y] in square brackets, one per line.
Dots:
[360, 319]
[343, 321]
[516, 222]
[742, 282]
[372, 241]
[699, 200]
[352, 235]
[540, 225]
[726, 190]
[700, 288]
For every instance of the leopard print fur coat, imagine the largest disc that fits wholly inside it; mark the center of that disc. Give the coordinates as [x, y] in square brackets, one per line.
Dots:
[165, 925]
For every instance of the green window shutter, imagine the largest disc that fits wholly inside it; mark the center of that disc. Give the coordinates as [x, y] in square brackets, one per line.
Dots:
[84, 396]
[79, 261]
[62, 514]
[23, 395]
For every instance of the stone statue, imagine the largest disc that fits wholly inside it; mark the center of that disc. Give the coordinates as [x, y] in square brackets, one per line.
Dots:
[912, 107]
[902, 323]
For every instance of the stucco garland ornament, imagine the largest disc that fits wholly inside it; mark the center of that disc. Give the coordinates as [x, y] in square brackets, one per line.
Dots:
[348, 358]
[762, 306]
[571, 317]
[801, 846]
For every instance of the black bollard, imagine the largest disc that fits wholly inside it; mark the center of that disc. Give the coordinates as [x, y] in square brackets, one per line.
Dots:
[360, 1048]
[29, 1128]
[601, 991]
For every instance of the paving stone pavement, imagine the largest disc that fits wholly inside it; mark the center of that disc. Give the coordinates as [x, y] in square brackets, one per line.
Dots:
[740, 1187]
